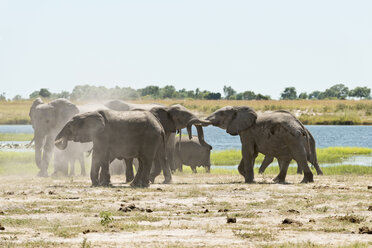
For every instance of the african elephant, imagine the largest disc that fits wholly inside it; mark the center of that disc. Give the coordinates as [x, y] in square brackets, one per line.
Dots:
[190, 152]
[118, 135]
[277, 134]
[312, 159]
[47, 120]
[74, 151]
[120, 105]
[172, 118]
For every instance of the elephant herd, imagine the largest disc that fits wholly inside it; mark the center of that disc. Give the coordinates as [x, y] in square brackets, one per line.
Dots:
[147, 132]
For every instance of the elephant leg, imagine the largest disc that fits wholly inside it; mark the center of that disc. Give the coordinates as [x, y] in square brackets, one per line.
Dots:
[207, 168]
[283, 165]
[137, 179]
[300, 157]
[129, 175]
[72, 167]
[145, 175]
[193, 169]
[241, 168]
[104, 176]
[96, 165]
[166, 171]
[82, 164]
[248, 163]
[265, 163]
[317, 168]
[299, 169]
[47, 154]
[155, 171]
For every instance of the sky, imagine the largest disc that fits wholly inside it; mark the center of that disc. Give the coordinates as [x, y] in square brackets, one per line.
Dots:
[263, 46]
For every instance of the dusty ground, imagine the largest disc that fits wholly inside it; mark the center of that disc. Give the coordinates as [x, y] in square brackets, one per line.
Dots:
[192, 212]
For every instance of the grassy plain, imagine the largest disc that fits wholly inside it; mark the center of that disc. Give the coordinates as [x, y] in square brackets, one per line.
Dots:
[313, 112]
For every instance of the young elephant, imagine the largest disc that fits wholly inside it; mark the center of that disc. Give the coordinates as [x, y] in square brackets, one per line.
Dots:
[312, 158]
[277, 134]
[116, 135]
[190, 152]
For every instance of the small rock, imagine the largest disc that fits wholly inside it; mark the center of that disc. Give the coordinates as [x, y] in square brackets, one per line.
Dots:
[293, 211]
[369, 187]
[160, 189]
[290, 221]
[365, 230]
[188, 212]
[231, 220]
[370, 208]
[51, 192]
[312, 220]
[2, 213]
[86, 231]
[2, 228]
[149, 210]
[206, 211]
[9, 193]
[223, 210]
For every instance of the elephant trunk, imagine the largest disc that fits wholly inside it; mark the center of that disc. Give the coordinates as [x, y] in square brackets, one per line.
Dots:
[61, 140]
[198, 124]
[38, 150]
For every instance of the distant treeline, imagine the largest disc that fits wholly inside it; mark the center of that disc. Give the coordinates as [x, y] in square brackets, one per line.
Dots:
[89, 92]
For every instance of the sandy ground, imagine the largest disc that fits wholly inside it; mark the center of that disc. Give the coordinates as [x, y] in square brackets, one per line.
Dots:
[192, 212]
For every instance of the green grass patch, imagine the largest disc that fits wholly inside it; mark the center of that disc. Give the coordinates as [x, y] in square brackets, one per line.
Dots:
[16, 136]
[325, 155]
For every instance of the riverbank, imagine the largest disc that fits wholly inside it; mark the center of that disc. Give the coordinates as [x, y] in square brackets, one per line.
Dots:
[310, 112]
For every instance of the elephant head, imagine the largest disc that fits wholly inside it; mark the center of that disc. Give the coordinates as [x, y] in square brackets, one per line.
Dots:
[47, 119]
[177, 117]
[82, 128]
[233, 119]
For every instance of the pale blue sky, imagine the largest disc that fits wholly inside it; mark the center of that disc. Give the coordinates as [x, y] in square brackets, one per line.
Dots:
[262, 46]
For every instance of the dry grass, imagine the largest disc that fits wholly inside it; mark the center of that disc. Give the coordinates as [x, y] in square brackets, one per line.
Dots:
[314, 111]
[192, 212]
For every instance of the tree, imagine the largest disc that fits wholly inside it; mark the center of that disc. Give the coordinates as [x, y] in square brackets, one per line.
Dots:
[169, 91]
[151, 90]
[44, 93]
[229, 92]
[262, 97]
[339, 91]
[360, 92]
[213, 96]
[2, 97]
[314, 94]
[289, 93]
[17, 98]
[303, 95]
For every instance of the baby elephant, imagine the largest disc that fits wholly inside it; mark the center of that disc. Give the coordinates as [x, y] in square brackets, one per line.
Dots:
[190, 152]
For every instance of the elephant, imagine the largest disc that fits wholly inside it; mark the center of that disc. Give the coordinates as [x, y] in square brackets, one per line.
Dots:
[312, 159]
[190, 152]
[276, 134]
[172, 118]
[74, 151]
[47, 120]
[120, 105]
[118, 135]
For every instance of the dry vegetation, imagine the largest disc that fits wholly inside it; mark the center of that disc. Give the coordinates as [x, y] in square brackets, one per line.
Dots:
[192, 212]
[310, 111]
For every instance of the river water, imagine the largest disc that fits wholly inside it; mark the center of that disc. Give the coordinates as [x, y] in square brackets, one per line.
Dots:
[325, 136]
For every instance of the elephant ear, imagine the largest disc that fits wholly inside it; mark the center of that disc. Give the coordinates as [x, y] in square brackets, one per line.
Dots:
[94, 123]
[244, 117]
[35, 103]
[64, 111]
[163, 115]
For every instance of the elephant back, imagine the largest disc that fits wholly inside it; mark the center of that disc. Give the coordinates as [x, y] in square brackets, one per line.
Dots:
[64, 110]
